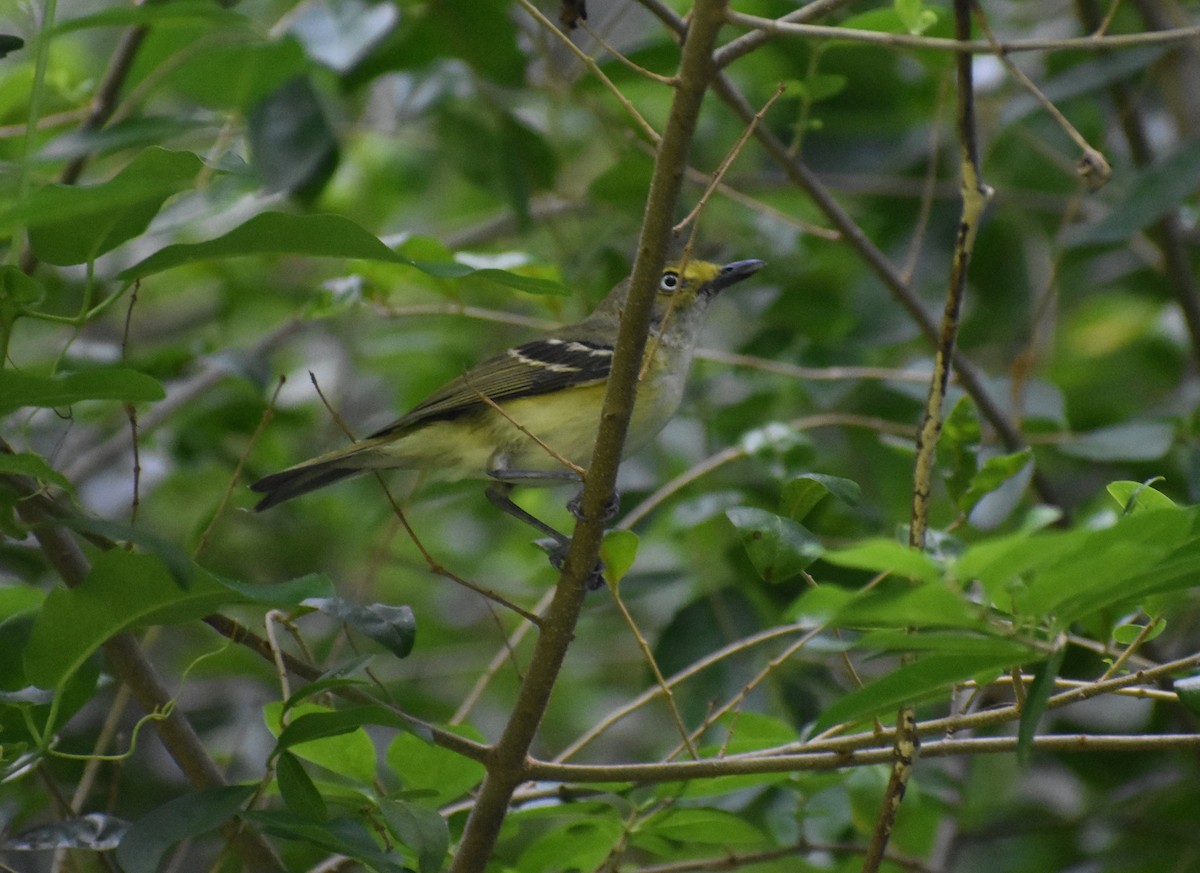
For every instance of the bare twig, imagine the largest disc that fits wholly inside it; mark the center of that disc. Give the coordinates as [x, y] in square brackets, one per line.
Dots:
[976, 46]
[975, 196]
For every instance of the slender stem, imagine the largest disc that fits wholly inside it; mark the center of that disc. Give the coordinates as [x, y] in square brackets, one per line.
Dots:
[508, 760]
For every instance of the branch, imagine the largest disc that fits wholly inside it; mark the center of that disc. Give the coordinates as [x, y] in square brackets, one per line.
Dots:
[507, 765]
[712, 768]
[975, 197]
[970, 46]
[131, 665]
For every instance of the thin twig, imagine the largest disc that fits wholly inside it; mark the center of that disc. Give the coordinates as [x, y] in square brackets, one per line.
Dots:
[235, 477]
[659, 680]
[718, 176]
[434, 565]
[970, 46]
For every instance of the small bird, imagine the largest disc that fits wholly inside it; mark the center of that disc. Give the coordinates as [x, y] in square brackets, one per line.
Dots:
[514, 418]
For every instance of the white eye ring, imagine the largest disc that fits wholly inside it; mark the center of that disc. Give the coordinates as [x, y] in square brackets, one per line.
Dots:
[669, 281]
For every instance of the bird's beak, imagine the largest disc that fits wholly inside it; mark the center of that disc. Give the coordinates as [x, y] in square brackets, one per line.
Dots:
[735, 272]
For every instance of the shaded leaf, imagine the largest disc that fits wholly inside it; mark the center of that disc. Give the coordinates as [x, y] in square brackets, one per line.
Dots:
[779, 548]
[1035, 701]
[393, 627]
[34, 466]
[112, 383]
[297, 789]
[422, 830]
[342, 836]
[292, 145]
[991, 475]
[149, 838]
[1189, 693]
[330, 236]
[910, 683]
[702, 825]
[316, 725]
[802, 494]
[72, 224]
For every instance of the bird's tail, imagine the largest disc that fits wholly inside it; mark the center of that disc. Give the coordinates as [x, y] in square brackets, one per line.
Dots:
[312, 475]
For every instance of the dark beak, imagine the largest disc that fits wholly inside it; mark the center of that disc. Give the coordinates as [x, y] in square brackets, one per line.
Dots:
[733, 273]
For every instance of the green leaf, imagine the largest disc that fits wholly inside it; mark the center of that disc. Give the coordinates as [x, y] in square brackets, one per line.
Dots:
[34, 466]
[1124, 634]
[900, 605]
[124, 590]
[341, 836]
[583, 841]
[177, 562]
[910, 683]
[297, 789]
[393, 627]
[917, 17]
[702, 825]
[1189, 693]
[233, 74]
[144, 845]
[995, 472]
[778, 547]
[1122, 563]
[818, 86]
[482, 34]
[618, 551]
[422, 830]
[1138, 496]
[424, 767]
[17, 291]
[73, 224]
[958, 643]
[958, 447]
[333, 739]
[802, 494]
[1035, 702]
[340, 677]
[130, 133]
[886, 556]
[329, 236]
[113, 383]
[292, 144]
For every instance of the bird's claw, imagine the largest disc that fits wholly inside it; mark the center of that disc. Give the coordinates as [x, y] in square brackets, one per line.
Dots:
[607, 514]
[557, 552]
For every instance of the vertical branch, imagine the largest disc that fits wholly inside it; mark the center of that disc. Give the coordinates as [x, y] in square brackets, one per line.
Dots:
[975, 197]
[508, 759]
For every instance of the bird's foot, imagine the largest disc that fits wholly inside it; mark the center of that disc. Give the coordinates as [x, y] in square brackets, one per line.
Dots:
[607, 514]
[557, 552]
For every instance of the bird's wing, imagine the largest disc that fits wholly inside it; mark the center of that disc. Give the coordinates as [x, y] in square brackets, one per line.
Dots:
[537, 367]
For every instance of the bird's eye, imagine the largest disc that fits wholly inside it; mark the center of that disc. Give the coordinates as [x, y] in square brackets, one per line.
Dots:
[669, 281]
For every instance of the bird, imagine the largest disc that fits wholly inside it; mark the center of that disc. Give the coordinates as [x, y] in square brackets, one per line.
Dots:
[531, 414]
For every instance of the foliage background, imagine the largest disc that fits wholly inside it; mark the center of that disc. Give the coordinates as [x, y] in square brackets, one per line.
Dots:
[467, 134]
